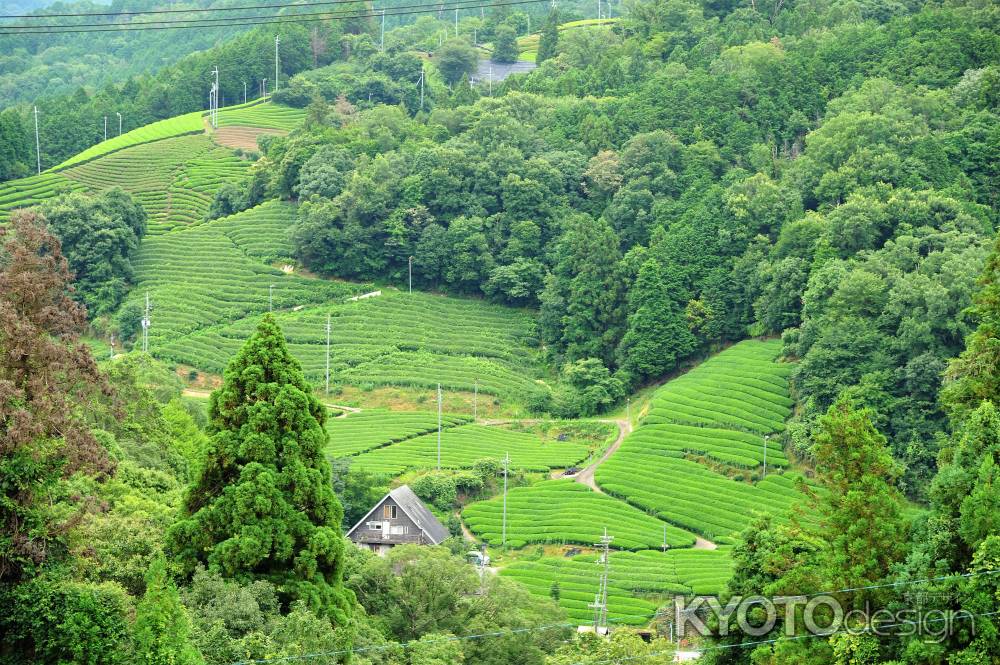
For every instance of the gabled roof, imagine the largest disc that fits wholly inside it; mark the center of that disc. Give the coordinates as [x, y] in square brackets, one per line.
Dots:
[415, 509]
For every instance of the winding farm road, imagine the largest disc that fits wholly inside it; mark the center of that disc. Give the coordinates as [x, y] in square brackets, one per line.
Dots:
[586, 476]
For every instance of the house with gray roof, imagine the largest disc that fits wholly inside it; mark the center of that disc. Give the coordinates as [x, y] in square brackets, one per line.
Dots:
[399, 518]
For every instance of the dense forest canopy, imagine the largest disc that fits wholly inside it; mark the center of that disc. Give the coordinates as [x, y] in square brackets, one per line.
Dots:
[660, 187]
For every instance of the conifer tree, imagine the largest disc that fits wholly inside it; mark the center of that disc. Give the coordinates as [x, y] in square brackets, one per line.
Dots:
[162, 628]
[861, 511]
[263, 507]
[657, 335]
[548, 41]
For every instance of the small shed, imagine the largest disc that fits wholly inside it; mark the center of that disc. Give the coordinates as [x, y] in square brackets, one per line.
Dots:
[399, 518]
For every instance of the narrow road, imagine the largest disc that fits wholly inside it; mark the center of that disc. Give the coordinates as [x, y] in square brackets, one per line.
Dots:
[586, 476]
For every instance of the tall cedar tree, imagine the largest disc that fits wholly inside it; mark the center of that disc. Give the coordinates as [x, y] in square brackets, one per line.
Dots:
[548, 41]
[861, 510]
[46, 376]
[263, 507]
[658, 334]
[162, 628]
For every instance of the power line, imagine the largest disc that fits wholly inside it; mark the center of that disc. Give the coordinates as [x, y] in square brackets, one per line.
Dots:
[194, 10]
[231, 21]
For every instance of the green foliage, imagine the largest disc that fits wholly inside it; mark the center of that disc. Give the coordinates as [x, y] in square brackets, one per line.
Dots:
[622, 645]
[56, 620]
[99, 235]
[263, 507]
[504, 44]
[162, 630]
[861, 515]
[972, 377]
[658, 335]
[456, 59]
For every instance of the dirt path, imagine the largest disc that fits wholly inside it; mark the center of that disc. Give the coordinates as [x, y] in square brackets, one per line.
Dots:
[586, 476]
[702, 544]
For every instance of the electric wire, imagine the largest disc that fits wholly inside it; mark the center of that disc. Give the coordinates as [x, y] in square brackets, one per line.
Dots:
[440, 6]
[192, 10]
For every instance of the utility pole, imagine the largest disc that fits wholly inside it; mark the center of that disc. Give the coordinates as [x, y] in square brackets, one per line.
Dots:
[105, 128]
[503, 533]
[215, 99]
[381, 42]
[456, 23]
[38, 149]
[439, 427]
[145, 326]
[119, 123]
[491, 80]
[112, 356]
[475, 402]
[600, 604]
[276, 42]
[421, 98]
[766, 437]
[328, 354]
[270, 297]
[665, 538]
[411, 258]
[598, 10]
[628, 410]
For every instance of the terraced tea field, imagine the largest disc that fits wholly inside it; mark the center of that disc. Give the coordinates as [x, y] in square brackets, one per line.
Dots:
[263, 231]
[394, 339]
[267, 115]
[201, 277]
[741, 388]
[27, 192]
[638, 582]
[462, 446]
[562, 512]
[189, 123]
[358, 432]
[732, 447]
[174, 179]
[718, 410]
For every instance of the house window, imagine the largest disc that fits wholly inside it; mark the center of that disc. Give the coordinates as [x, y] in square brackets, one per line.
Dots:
[389, 512]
